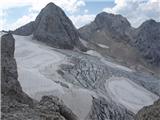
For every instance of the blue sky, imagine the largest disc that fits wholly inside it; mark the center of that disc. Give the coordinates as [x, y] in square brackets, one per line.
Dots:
[14, 13]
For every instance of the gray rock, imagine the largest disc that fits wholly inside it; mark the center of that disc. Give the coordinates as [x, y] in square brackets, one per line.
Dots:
[54, 28]
[116, 25]
[147, 40]
[9, 75]
[149, 112]
[124, 41]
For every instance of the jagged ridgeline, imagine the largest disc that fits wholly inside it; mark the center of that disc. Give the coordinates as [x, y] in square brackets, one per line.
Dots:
[132, 45]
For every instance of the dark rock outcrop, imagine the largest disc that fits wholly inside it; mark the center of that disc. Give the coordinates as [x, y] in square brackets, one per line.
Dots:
[54, 28]
[147, 40]
[15, 104]
[151, 112]
[9, 84]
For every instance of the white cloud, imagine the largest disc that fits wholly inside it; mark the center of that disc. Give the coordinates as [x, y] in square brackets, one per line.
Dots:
[70, 6]
[137, 11]
[80, 20]
[22, 21]
[86, 11]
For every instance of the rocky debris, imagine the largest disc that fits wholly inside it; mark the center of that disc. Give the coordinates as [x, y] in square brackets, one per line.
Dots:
[149, 112]
[54, 28]
[147, 40]
[16, 105]
[103, 110]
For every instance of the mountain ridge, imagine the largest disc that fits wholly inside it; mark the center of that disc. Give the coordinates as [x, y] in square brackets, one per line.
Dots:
[54, 28]
[115, 31]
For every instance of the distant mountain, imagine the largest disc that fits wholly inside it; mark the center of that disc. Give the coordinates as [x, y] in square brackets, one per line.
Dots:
[115, 25]
[54, 28]
[135, 47]
[113, 31]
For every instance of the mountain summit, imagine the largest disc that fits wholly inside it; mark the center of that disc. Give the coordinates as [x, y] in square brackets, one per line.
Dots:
[53, 27]
[132, 45]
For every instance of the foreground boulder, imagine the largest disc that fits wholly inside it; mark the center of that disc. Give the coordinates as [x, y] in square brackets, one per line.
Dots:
[54, 28]
[150, 112]
[16, 105]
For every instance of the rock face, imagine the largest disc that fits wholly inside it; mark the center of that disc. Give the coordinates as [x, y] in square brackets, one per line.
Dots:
[54, 28]
[150, 112]
[9, 75]
[16, 105]
[113, 31]
[123, 40]
[115, 25]
[147, 40]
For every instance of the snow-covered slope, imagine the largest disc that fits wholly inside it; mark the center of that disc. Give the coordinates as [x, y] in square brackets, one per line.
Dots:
[32, 57]
[37, 69]
[129, 94]
[77, 78]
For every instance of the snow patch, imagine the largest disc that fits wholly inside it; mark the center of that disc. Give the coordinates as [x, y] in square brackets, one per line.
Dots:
[32, 58]
[85, 43]
[108, 63]
[93, 53]
[114, 65]
[103, 46]
[129, 94]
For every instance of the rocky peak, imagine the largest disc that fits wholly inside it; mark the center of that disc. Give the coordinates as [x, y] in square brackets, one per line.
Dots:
[150, 22]
[111, 20]
[115, 26]
[147, 40]
[54, 28]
